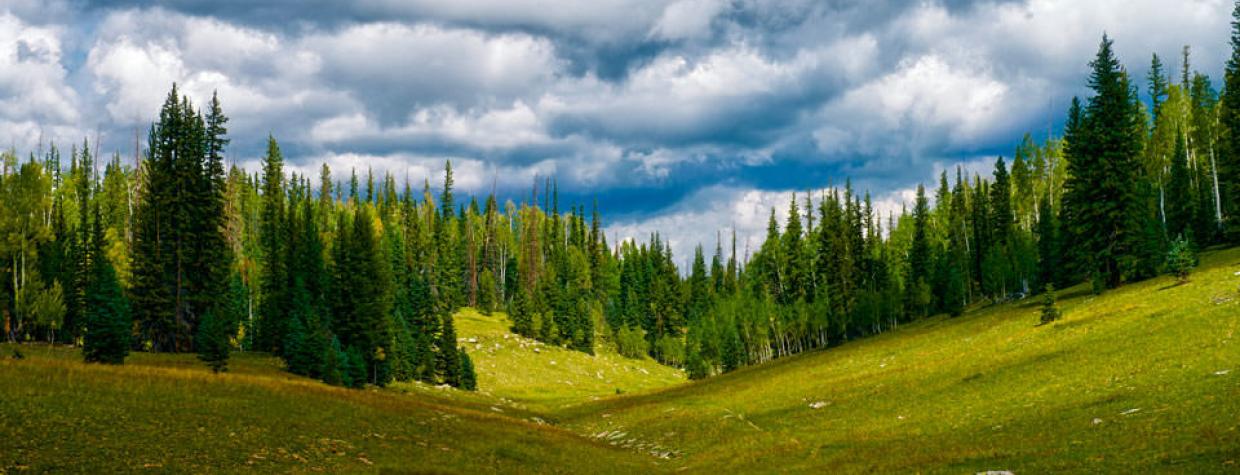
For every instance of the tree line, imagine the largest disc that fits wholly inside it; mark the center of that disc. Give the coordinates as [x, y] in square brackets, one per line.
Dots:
[356, 281]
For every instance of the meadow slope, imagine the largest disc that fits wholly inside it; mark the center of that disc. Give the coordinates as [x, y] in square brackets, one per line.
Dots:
[1145, 378]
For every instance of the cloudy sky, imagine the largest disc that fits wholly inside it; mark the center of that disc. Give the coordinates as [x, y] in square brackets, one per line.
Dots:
[682, 116]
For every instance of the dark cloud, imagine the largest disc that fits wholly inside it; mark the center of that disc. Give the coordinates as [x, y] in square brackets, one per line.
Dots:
[660, 109]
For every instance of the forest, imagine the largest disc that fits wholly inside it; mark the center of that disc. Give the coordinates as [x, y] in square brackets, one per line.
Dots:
[354, 280]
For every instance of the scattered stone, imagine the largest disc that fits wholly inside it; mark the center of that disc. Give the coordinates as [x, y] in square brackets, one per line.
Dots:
[1130, 411]
[818, 404]
[496, 409]
[1096, 421]
[900, 417]
[1222, 372]
[552, 362]
[536, 350]
[472, 340]
[996, 472]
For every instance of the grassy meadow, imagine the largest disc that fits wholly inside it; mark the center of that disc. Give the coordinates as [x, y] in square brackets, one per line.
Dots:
[1142, 379]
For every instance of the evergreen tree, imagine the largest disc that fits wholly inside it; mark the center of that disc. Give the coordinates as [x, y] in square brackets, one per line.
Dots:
[1229, 118]
[1048, 243]
[1103, 192]
[1050, 311]
[212, 341]
[917, 290]
[1182, 208]
[273, 317]
[448, 361]
[106, 338]
[469, 380]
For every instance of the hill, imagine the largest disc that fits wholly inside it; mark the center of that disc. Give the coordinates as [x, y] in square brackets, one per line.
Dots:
[1144, 378]
[529, 374]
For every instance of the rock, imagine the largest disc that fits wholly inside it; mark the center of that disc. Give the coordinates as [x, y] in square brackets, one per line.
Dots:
[472, 340]
[818, 404]
[1222, 372]
[1096, 421]
[552, 362]
[536, 350]
[1130, 411]
[996, 472]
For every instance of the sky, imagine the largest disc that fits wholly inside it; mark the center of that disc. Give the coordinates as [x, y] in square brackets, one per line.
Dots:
[683, 117]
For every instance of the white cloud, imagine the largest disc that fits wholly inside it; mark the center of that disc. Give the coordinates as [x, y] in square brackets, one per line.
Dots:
[687, 19]
[35, 100]
[397, 68]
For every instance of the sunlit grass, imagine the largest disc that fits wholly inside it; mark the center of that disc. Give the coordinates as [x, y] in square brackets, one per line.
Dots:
[1144, 378]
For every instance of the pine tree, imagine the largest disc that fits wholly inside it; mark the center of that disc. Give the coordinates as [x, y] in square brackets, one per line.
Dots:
[917, 290]
[1229, 117]
[1048, 243]
[469, 380]
[1050, 311]
[108, 323]
[1103, 193]
[1181, 259]
[1182, 207]
[212, 343]
[273, 323]
[448, 361]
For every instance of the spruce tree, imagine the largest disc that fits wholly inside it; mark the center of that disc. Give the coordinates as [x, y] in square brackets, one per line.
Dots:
[448, 362]
[917, 282]
[1229, 118]
[469, 380]
[1182, 205]
[212, 343]
[273, 316]
[1050, 311]
[108, 324]
[1103, 189]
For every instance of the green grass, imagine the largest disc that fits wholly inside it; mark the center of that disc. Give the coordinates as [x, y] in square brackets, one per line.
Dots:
[1142, 379]
[168, 413]
[1145, 378]
[529, 374]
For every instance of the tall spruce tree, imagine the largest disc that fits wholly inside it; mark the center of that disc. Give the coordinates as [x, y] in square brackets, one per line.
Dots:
[108, 323]
[1229, 117]
[1102, 191]
[273, 314]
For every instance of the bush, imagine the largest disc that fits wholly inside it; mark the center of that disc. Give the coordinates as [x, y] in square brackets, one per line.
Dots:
[1181, 259]
[1050, 311]
[631, 342]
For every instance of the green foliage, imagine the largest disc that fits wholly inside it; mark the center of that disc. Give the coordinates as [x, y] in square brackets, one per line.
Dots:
[1181, 259]
[1050, 310]
[108, 322]
[180, 256]
[469, 380]
[487, 292]
[631, 342]
[212, 342]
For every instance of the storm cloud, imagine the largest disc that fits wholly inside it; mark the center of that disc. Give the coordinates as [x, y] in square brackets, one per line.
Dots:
[678, 116]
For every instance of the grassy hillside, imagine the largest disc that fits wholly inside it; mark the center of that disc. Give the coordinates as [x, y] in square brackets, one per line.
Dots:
[529, 374]
[1144, 378]
[168, 413]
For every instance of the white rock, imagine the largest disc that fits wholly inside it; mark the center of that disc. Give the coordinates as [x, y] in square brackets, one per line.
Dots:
[1222, 372]
[1096, 421]
[1130, 411]
[818, 404]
